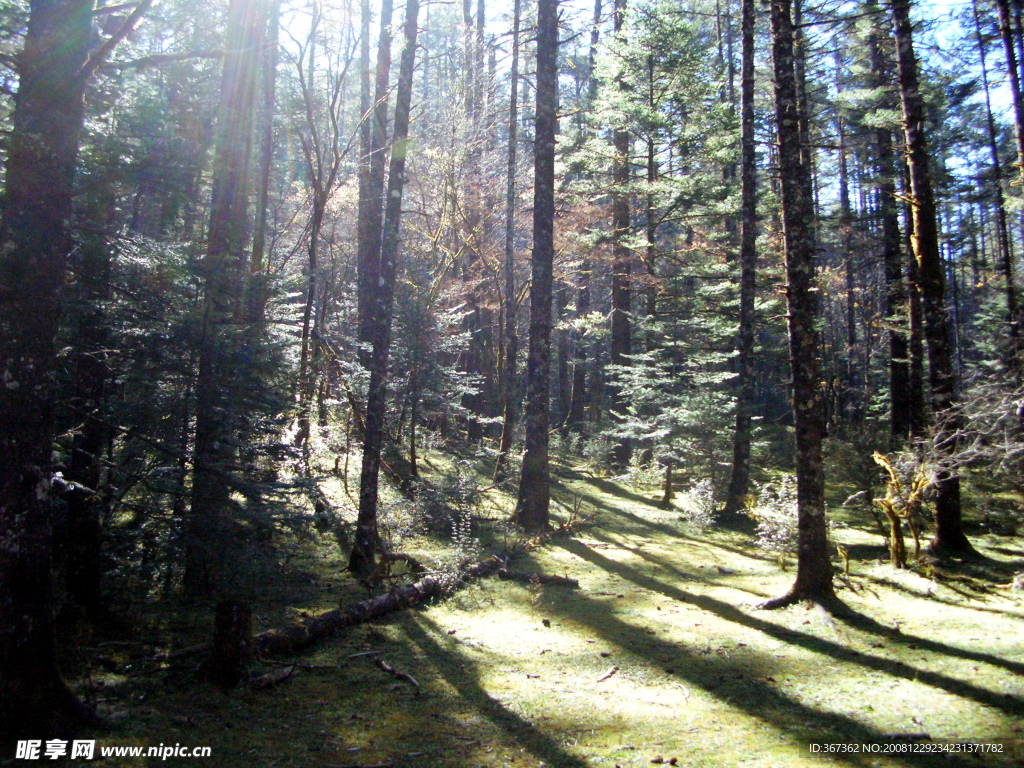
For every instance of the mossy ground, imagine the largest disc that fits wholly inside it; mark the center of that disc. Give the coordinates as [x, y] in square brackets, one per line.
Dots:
[518, 675]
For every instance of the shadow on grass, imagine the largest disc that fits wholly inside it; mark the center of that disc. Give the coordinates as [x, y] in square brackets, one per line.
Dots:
[641, 528]
[460, 673]
[1003, 703]
[729, 681]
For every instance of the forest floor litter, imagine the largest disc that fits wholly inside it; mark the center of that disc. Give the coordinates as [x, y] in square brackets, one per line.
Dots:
[660, 657]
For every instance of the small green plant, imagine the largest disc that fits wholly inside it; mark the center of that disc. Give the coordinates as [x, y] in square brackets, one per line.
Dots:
[775, 511]
[642, 474]
[698, 507]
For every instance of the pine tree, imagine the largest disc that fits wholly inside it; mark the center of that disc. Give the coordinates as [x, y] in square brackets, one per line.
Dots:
[532, 510]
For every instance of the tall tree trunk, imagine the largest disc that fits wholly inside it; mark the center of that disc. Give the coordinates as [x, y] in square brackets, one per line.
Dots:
[364, 548]
[534, 494]
[814, 571]
[918, 418]
[578, 399]
[511, 342]
[1006, 33]
[217, 384]
[896, 309]
[308, 344]
[1002, 231]
[621, 264]
[949, 535]
[851, 396]
[739, 480]
[35, 240]
[563, 390]
[371, 212]
[257, 280]
[84, 471]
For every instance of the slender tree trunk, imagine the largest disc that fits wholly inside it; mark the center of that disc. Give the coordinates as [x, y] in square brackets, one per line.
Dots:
[257, 280]
[896, 309]
[739, 480]
[308, 345]
[949, 535]
[35, 239]
[217, 384]
[1006, 33]
[563, 390]
[1002, 231]
[622, 263]
[534, 494]
[851, 395]
[364, 548]
[918, 420]
[370, 215]
[814, 571]
[578, 399]
[511, 342]
[84, 471]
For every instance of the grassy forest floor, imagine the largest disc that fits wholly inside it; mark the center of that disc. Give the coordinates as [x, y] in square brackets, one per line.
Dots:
[660, 656]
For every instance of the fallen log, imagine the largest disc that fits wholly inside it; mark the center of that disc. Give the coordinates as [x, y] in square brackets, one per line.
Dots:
[295, 636]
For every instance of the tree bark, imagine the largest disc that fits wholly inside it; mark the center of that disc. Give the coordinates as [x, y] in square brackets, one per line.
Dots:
[578, 399]
[532, 509]
[257, 279]
[371, 208]
[218, 381]
[511, 342]
[949, 536]
[366, 544]
[896, 309]
[1006, 33]
[1002, 231]
[35, 240]
[851, 397]
[739, 480]
[84, 472]
[814, 571]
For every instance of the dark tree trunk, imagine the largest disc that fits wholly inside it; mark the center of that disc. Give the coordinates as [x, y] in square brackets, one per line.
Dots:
[218, 381]
[621, 264]
[851, 398]
[232, 646]
[918, 420]
[371, 207]
[739, 480]
[511, 342]
[84, 471]
[35, 240]
[257, 279]
[814, 571]
[949, 535]
[534, 493]
[895, 293]
[309, 348]
[578, 398]
[563, 390]
[1006, 33]
[364, 548]
[1002, 231]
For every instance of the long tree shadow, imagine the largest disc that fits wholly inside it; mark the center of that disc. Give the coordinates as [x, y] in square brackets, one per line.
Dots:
[668, 565]
[460, 673]
[641, 528]
[1004, 703]
[730, 683]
